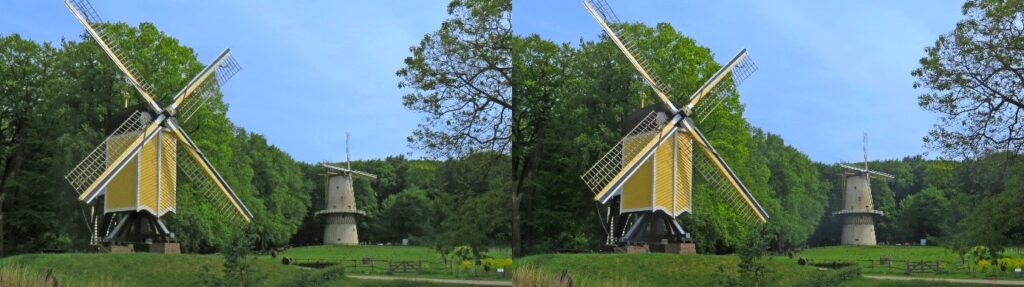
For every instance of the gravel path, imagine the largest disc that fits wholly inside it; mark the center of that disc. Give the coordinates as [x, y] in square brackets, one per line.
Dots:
[952, 280]
[435, 280]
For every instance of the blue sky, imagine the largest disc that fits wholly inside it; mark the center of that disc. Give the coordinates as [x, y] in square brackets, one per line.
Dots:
[828, 70]
[310, 71]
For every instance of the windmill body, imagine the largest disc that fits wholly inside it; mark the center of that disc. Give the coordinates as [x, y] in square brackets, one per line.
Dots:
[340, 213]
[135, 169]
[647, 178]
[859, 214]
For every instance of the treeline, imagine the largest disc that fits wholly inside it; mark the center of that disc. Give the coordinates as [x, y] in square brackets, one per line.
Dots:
[441, 204]
[55, 103]
[570, 101]
[958, 204]
[572, 97]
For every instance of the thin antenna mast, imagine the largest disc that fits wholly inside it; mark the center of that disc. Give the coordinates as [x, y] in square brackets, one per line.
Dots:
[348, 161]
[865, 151]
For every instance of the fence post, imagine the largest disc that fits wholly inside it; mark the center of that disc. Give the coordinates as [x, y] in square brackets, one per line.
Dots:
[938, 268]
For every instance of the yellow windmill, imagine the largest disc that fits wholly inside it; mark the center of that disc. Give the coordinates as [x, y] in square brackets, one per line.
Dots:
[135, 168]
[646, 179]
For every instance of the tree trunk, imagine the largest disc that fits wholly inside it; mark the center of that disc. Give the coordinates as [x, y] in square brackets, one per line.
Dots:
[2, 196]
[516, 233]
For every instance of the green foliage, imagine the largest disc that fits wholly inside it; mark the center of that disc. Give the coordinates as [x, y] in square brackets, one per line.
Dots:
[146, 269]
[841, 275]
[318, 279]
[658, 269]
[238, 266]
[405, 215]
[924, 214]
[971, 78]
[460, 79]
[473, 201]
[753, 270]
[560, 84]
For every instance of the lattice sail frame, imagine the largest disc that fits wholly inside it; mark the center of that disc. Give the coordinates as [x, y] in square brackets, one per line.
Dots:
[89, 169]
[723, 90]
[227, 70]
[601, 173]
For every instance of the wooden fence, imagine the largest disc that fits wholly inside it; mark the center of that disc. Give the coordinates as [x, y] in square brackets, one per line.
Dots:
[374, 266]
[910, 267]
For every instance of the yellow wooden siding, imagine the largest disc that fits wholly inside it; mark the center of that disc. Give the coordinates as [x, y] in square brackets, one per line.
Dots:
[636, 192]
[147, 175]
[168, 174]
[684, 173]
[120, 191]
[663, 177]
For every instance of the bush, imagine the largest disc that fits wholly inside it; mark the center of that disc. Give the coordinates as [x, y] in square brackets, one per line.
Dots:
[319, 279]
[1011, 263]
[984, 265]
[834, 277]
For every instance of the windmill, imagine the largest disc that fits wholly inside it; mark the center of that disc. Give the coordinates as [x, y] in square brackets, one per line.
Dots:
[646, 178]
[340, 212]
[858, 214]
[135, 169]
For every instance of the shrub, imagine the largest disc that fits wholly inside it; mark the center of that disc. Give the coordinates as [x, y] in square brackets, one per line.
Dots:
[834, 277]
[984, 265]
[1011, 263]
[318, 279]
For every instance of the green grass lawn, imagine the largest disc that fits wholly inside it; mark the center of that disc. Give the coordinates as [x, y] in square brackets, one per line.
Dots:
[868, 258]
[357, 252]
[140, 269]
[351, 258]
[655, 269]
[865, 282]
[914, 253]
[148, 269]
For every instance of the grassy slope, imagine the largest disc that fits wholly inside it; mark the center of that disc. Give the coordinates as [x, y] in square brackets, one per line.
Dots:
[331, 252]
[913, 253]
[145, 269]
[405, 253]
[656, 269]
[865, 282]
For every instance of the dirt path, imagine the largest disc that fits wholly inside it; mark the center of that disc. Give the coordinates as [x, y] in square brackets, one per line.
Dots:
[951, 280]
[435, 280]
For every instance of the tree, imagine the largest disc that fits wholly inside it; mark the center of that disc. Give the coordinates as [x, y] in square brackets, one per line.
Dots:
[460, 76]
[24, 70]
[974, 76]
[472, 202]
[537, 83]
[405, 215]
[924, 214]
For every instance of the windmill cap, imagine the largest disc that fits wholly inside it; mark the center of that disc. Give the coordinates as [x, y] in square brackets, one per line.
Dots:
[638, 116]
[115, 120]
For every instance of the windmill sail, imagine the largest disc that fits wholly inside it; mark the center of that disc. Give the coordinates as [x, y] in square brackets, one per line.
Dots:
[601, 12]
[198, 92]
[85, 14]
[724, 181]
[721, 85]
[208, 180]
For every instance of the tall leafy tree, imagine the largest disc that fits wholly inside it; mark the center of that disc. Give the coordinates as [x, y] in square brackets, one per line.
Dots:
[460, 76]
[25, 70]
[973, 78]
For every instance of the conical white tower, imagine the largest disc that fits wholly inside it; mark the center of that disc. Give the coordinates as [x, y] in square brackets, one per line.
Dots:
[858, 214]
[340, 212]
